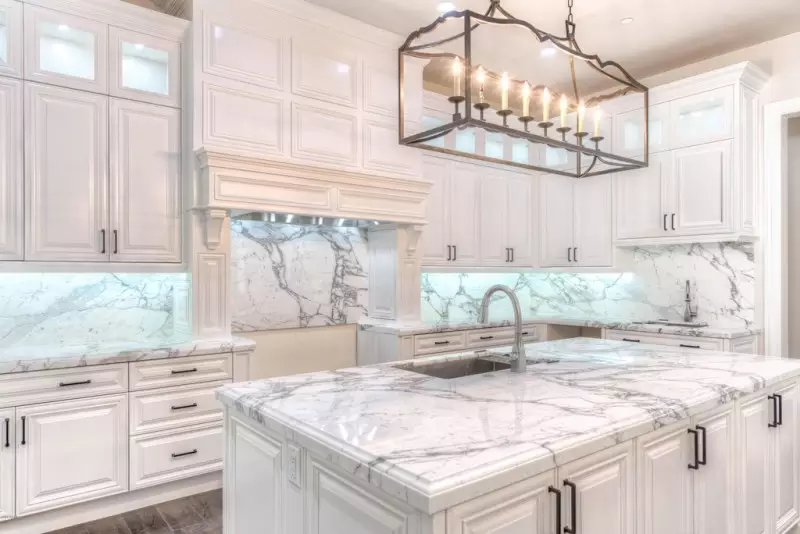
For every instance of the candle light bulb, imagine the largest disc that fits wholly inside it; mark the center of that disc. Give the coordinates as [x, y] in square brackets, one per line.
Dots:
[563, 111]
[598, 114]
[457, 77]
[581, 115]
[526, 99]
[545, 105]
[504, 91]
[481, 79]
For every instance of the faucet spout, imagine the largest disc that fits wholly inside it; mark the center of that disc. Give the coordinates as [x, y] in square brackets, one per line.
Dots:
[689, 313]
[520, 363]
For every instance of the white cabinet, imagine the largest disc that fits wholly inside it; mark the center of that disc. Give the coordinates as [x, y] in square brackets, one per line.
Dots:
[11, 170]
[784, 438]
[66, 174]
[754, 464]
[7, 463]
[629, 131]
[436, 236]
[72, 451]
[66, 50]
[702, 118]
[600, 489]
[144, 183]
[714, 488]
[643, 202]
[11, 38]
[506, 229]
[701, 185]
[576, 222]
[144, 68]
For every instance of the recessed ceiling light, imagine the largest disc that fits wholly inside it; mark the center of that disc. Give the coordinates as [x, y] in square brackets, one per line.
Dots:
[548, 52]
[626, 20]
[444, 7]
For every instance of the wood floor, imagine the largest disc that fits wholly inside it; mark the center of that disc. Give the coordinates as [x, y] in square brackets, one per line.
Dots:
[198, 514]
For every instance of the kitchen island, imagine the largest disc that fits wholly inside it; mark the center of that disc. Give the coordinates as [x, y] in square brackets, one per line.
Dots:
[597, 436]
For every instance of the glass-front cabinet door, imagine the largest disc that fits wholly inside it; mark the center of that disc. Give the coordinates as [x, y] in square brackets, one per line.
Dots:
[629, 131]
[10, 38]
[65, 50]
[145, 68]
[702, 118]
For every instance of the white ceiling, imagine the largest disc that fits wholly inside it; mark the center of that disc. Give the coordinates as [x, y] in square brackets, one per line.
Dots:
[665, 33]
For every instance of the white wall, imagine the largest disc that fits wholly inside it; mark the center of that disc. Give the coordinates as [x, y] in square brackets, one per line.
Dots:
[794, 236]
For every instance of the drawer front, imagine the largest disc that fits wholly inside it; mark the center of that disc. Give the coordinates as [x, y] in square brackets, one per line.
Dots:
[496, 337]
[180, 371]
[20, 389]
[175, 454]
[169, 408]
[634, 337]
[437, 343]
[687, 342]
[700, 343]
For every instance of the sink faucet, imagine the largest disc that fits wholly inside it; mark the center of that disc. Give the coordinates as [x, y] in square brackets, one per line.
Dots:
[689, 314]
[520, 362]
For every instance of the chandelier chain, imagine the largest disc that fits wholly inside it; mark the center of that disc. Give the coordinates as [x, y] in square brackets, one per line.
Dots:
[570, 5]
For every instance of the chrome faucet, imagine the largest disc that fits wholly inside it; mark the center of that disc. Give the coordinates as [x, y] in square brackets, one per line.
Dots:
[689, 314]
[520, 363]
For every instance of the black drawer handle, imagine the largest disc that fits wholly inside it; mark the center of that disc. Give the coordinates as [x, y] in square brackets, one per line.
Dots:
[484, 338]
[8, 433]
[557, 493]
[525, 333]
[696, 464]
[702, 430]
[632, 340]
[690, 346]
[449, 252]
[185, 406]
[116, 244]
[441, 342]
[70, 384]
[573, 507]
[181, 454]
[184, 371]
[779, 398]
[774, 422]
[23, 430]
[665, 222]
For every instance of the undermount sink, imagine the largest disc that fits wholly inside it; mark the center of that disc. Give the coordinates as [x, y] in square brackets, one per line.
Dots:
[664, 322]
[449, 369]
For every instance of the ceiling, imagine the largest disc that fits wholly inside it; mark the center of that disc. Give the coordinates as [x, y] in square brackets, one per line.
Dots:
[662, 36]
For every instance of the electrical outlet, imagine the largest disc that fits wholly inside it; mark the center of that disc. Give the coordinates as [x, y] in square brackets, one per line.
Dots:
[293, 465]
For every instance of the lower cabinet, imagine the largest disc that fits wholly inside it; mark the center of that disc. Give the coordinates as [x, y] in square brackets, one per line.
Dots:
[69, 452]
[7, 461]
[783, 442]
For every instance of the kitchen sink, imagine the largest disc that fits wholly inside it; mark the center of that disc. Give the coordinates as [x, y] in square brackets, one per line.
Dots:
[449, 369]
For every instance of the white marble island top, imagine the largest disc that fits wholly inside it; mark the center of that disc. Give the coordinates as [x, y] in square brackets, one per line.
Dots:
[433, 442]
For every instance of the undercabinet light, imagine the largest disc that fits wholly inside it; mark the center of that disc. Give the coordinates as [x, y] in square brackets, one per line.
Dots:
[289, 218]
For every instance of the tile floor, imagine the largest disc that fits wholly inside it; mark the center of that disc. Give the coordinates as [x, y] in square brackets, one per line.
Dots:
[198, 514]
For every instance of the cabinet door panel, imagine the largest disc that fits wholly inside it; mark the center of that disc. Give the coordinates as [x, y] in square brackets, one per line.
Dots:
[521, 212]
[74, 451]
[145, 68]
[702, 189]
[66, 174]
[145, 182]
[557, 220]
[464, 222]
[7, 464]
[11, 38]
[641, 196]
[65, 50]
[11, 170]
[604, 485]
[714, 489]
[754, 465]
[786, 465]
[494, 212]
[702, 118]
[436, 235]
[593, 235]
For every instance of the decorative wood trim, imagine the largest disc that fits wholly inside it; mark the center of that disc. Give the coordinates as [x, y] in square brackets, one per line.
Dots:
[214, 222]
[346, 155]
[210, 289]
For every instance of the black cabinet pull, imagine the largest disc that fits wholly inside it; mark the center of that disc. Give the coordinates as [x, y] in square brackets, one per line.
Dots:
[557, 493]
[184, 371]
[70, 384]
[569, 254]
[573, 508]
[702, 430]
[689, 346]
[779, 399]
[455, 253]
[103, 239]
[631, 340]
[181, 454]
[524, 333]
[512, 255]
[774, 422]
[696, 464]
[8, 433]
[441, 342]
[575, 254]
[185, 406]
[23, 430]
[484, 338]
[665, 222]
[449, 252]
[673, 221]
[116, 248]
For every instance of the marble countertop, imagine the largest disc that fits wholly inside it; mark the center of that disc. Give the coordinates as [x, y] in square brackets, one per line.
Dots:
[434, 443]
[39, 358]
[420, 327]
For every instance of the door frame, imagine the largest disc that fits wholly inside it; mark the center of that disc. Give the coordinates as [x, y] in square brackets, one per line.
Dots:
[774, 265]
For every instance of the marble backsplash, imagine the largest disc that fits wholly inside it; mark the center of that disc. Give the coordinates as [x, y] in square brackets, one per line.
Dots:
[292, 276]
[722, 276]
[46, 309]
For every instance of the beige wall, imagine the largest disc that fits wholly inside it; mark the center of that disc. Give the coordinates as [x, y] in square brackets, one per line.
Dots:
[302, 350]
[793, 236]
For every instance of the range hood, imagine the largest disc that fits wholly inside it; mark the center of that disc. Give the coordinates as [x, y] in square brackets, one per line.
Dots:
[232, 184]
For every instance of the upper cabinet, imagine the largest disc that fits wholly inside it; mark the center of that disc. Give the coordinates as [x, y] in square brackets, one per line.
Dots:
[11, 38]
[66, 50]
[629, 126]
[702, 118]
[11, 179]
[145, 68]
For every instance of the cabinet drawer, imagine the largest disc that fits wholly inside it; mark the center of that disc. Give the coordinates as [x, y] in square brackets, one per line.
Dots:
[179, 371]
[688, 342]
[175, 454]
[167, 408]
[436, 343]
[495, 337]
[19, 389]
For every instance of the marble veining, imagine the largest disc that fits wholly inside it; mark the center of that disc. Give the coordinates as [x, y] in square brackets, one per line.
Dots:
[287, 276]
[57, 309]
[29, 358]
[434, 442]
[651, 287]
